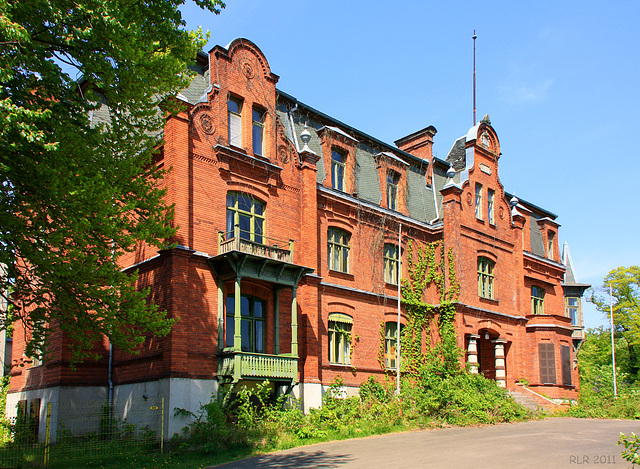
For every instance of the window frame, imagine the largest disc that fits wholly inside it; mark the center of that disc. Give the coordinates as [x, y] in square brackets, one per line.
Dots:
[550, 241]
[390, 343]
[339, 334]
[250, 319]
[338, 169]
[569, 308]
[491, 197]
[338, 247]
[479, 213]
[537, 300]
[256, 219]
[258, 126]
[234, 116]
[393, 182]
[486, 278]
[391, 260]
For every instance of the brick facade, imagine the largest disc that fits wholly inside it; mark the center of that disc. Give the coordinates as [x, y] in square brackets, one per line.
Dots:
[281, 272]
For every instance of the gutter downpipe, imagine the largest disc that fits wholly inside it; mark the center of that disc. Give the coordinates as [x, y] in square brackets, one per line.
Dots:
[398, 325]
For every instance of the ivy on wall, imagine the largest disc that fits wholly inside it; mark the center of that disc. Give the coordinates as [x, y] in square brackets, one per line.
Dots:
[428, 268]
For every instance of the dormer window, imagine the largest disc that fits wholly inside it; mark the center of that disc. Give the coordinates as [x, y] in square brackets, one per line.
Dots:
[258, 116]
[393, 179]
[234, 112]
[338, 160]
[550, 239]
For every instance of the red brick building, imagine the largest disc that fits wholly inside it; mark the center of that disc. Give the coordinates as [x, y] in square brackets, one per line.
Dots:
[287, 257]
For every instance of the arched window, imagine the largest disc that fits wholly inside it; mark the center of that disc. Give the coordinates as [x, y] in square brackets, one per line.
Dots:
[485, 277]
[246, 212]
[338, 249]
[537, 300]
[340, 326]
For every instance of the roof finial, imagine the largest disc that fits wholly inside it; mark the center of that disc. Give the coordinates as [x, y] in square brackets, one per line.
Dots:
[305, 136]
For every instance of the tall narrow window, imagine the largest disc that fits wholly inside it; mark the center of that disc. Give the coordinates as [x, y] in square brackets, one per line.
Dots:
[547, 360]
[537, 300]
[338, 160]
[340, 326]
[485, 277]
[572, 308]
[252, 330]
[248, 213]
[392, 190]
[491, 195]
[479, 201]
[550, 238]
[234, 111]
[391, 263]
[390, 343]
[565, 360]
[258, 116]
[338, 249]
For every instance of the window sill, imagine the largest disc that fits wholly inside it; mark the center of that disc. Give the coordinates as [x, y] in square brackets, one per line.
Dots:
[489, 300]
[344, 275]
[339, 365]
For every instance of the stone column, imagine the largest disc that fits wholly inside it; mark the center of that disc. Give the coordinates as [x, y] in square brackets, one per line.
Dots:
[472, 353]
[501, 375]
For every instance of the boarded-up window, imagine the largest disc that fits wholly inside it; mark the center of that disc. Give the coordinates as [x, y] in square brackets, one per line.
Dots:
[547, 359]
[565, 357]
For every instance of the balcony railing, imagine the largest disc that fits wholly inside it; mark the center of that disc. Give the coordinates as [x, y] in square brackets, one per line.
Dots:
[245, 365]
[264, 246]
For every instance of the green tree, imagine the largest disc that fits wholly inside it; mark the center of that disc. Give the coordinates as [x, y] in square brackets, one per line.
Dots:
[76, 194]
[625, 284]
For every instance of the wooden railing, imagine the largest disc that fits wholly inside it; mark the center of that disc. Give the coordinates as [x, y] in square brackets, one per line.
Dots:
[244, 365]
[269, 248]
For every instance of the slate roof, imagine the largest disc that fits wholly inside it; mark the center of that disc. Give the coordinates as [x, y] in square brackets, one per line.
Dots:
[457, 154]
[421, 199]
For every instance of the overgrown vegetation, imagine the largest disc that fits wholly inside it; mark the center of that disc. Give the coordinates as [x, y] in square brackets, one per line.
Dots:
[597, 398]
[435, 389]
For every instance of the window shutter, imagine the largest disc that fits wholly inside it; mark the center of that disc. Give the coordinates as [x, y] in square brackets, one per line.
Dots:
[565, 358]
[547, 359]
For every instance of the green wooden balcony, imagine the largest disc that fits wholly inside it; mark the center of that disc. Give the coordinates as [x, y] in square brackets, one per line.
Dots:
[234, 366]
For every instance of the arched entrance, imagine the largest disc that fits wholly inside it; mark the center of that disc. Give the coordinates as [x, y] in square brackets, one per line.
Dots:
[486, 354]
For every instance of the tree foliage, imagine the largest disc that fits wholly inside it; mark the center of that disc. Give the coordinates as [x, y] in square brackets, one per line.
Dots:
[625, 286]
[75, 194]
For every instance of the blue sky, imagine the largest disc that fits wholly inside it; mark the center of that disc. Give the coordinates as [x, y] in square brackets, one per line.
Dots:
[559, 80]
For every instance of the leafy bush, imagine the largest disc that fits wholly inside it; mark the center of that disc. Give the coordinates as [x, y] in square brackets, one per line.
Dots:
[631, 447]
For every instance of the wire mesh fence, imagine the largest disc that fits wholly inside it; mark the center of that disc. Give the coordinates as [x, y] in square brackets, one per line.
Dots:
[67, 432]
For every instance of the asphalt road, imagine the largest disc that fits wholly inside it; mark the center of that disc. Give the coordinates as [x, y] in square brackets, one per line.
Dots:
[549, 443]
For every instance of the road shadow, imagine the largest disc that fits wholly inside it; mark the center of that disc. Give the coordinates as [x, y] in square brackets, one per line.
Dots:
[299, 459]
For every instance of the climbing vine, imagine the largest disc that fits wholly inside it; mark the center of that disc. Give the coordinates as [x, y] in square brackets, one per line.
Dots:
[428, 266]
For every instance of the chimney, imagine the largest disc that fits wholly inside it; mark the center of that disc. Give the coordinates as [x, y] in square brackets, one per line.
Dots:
[419, 143]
